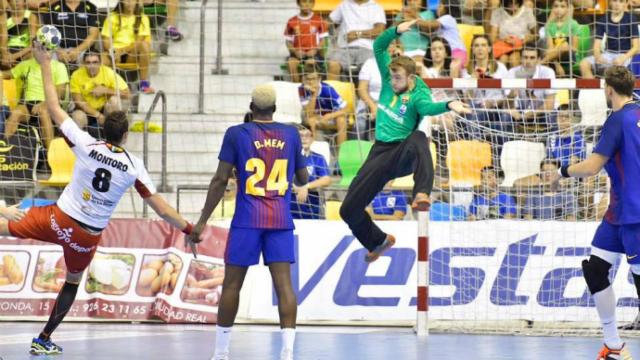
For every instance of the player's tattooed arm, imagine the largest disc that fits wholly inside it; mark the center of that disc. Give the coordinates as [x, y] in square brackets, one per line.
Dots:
[214, 195]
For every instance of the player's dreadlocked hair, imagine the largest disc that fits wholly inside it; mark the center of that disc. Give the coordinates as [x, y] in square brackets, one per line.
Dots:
[116, 124]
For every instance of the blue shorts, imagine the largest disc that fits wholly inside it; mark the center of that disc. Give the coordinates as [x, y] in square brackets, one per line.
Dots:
[245, 245]
[620, 239]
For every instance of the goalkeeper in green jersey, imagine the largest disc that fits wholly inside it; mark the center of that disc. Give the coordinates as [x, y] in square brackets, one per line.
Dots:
[400, 149]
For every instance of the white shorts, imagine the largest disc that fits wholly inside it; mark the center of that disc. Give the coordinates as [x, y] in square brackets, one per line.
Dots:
[608, 58]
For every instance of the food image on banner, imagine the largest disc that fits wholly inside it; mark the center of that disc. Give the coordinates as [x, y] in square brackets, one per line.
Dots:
[12, 270]
[159, 273]
[203, 284]
[110, 274]
[50, 272]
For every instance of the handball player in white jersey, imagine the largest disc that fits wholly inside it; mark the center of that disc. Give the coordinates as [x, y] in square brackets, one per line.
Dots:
[103, 172]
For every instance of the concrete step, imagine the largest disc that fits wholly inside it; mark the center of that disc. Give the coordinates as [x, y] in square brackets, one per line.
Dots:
[187, 104]
[213, 84]
[191, 203]
[252, 47]
[173, 65]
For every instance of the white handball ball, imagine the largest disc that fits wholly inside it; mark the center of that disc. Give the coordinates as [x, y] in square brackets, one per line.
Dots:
[49, 36]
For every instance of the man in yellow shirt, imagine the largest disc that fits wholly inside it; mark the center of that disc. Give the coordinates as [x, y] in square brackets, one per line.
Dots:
[95, 89]
[31, 105]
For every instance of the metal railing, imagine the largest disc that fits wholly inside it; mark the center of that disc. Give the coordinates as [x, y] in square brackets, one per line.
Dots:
[164, 187]
[218, 69]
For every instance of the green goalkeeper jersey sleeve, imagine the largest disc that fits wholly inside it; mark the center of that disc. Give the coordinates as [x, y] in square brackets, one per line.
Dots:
[398, 115]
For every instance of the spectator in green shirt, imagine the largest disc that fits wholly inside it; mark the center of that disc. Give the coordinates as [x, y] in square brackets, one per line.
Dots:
[562, 39]
[31, 104]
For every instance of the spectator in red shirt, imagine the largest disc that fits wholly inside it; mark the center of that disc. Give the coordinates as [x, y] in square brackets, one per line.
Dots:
[305, 34]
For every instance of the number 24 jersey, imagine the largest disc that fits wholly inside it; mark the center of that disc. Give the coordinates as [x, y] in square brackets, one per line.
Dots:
[266, 156]
[102, 174]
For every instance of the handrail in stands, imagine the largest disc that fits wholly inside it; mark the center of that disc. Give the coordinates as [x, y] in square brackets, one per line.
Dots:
[164, 187]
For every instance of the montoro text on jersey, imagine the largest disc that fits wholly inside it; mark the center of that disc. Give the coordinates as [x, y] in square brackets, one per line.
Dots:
[108, 161]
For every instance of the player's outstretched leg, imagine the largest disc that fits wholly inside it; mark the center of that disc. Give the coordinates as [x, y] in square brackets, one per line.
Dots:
[287, 306]
[42, 345]
[376, 171]
[596, 274]
[228, 308]
[418, 155]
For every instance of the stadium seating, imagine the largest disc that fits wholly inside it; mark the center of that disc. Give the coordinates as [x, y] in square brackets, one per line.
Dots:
[441, 211]
[593, 107]
[288, 107]
[465, 159]
[10, 91]
[347, 92]
[61, 160]
[332, 210]
[351, 157]
[520, 159]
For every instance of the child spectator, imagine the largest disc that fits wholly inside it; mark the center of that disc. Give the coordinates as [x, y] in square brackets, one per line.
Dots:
[306, 35]
[446, 27]
[126, 31]
[488, 202]
[306, 204]
[369, 86]
[550, 203]
[323, 108]
[568, 147]
[561, 32]
[414, 41]
[621, 29]
[388, 205]
[512, 26]
[18, 26]
[360, 22]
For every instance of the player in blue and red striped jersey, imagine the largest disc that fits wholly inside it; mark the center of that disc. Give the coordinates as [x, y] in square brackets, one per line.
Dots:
[618, 151]
[266, 156]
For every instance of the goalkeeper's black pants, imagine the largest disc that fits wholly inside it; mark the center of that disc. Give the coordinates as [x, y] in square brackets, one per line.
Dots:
[385, 162]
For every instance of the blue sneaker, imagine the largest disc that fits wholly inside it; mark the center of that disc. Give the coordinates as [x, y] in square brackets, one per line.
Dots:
[44, 347]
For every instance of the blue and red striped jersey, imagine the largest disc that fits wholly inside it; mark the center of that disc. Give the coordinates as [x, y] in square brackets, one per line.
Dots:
[620, 142]
[266, 155]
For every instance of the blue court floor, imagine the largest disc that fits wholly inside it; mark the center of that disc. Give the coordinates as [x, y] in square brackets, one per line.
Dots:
[137, 341]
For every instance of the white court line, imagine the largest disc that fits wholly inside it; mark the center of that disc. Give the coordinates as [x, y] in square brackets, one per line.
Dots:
[22, 338]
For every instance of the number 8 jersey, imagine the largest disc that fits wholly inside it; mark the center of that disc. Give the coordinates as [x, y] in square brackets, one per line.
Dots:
[102, 174]
[266, 155]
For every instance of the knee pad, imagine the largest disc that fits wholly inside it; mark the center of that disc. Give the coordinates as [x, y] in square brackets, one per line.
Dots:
[596, 274]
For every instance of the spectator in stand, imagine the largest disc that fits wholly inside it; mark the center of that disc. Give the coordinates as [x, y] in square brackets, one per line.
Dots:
[621, 29]
[306, 204]
[306, 35]
[486, 103]
[561, 32]
[227, 207]
[94, 90]
[172, 7]
[322, 106]
[18, 26]
[534, 109]
[478, 12]
[127, 33]
[550, 203]
[31, 107]
[369, 86]
[488, 202]
[360, 21]
[446, 26]
[77, 21]
[414, 41]
[437, 64]
[512, 25]
[568, 147]
[388, 205]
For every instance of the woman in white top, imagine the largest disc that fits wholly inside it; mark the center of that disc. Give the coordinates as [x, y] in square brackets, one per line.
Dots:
[369, 84]
[487, 103]
[437, 64]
